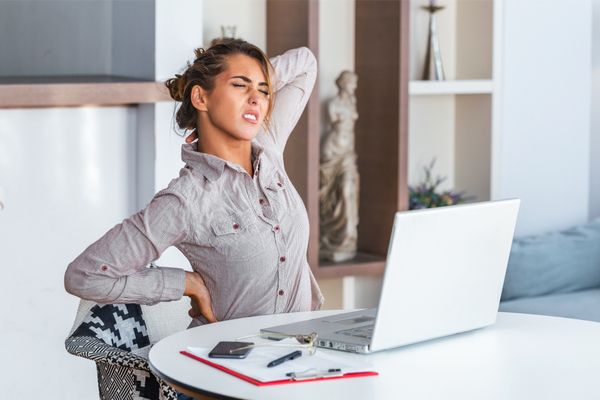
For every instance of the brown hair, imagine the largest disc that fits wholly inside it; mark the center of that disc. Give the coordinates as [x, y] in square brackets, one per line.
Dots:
[207, 65]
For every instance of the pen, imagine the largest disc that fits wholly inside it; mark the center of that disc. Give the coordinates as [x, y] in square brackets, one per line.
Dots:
[285, 358]
[315, 374]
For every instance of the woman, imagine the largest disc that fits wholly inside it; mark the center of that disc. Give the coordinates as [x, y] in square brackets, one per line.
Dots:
[232, 211]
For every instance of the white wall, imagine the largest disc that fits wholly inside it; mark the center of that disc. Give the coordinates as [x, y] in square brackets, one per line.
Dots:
[250, 17]
[545, 129]
[68, 176]
[595, 121]
[336, 49]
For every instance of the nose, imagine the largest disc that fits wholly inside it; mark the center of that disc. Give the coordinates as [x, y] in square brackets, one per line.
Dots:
[253, 99]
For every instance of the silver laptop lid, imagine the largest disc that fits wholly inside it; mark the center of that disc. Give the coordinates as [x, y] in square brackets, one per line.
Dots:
[444, 271]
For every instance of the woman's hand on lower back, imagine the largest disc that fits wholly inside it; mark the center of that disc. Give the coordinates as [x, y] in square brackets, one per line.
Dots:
[199, 296]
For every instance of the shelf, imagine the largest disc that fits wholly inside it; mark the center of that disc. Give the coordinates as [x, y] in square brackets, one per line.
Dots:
[68, 91]
[428, 88]
[362, 264]
[454, 121]
[383, 91]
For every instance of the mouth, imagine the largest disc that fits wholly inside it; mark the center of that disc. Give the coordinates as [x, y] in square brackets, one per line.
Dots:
[251, 117]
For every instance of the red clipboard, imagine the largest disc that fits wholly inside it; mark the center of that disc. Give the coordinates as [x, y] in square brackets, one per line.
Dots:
[279, 382]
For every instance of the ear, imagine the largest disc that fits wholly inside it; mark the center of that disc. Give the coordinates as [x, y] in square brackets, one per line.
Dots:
[198, 98]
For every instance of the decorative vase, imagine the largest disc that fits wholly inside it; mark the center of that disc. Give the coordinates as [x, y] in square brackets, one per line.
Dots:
[433, 69]
[228, 31]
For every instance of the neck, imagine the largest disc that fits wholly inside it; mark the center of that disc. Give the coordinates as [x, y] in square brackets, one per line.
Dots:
[227, 148]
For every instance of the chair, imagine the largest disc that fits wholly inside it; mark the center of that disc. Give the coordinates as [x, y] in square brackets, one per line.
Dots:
[118, 337]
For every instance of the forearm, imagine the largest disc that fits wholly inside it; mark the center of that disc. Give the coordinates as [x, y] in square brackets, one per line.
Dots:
[297, 67]
[146, 286]
[113, 269]
[294, 78]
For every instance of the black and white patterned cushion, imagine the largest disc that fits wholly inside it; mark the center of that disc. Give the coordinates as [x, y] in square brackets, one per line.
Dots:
[107, 335]
[119, 325]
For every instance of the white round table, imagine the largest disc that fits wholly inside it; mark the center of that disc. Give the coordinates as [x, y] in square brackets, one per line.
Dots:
[522, 356]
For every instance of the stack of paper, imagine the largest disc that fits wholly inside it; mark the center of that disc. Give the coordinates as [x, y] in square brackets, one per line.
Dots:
[254, 368]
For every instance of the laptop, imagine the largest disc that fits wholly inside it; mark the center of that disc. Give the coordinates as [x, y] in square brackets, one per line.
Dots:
[444, 274]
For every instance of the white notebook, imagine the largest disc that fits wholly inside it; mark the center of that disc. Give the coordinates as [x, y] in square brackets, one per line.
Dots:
[255, 364]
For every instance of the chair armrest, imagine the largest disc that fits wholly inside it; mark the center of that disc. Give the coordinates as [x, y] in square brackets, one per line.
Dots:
[96, 350]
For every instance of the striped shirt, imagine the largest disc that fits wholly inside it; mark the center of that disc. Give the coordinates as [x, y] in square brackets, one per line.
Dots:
[246, 236]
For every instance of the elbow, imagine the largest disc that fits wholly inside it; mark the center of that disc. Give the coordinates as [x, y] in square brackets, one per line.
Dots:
[75, 281]
[83, 284]
[310, 68]
[311, 59]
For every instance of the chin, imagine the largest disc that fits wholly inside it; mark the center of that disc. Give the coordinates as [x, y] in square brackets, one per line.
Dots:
[246, 135]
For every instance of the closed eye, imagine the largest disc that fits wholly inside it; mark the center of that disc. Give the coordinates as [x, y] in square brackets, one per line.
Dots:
[240, 85]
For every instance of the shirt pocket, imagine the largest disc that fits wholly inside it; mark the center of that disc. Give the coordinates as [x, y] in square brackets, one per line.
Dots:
[235, 236]
[280, 194]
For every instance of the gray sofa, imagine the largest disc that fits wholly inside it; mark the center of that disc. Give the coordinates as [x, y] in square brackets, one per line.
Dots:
[556, 273]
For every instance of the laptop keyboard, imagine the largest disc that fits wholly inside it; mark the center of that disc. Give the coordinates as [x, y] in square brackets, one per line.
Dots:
[365, 332]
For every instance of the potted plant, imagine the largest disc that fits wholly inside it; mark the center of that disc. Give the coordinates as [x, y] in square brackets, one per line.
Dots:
[427, 195]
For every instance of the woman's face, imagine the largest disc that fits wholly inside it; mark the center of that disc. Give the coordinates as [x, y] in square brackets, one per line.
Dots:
[237, 105]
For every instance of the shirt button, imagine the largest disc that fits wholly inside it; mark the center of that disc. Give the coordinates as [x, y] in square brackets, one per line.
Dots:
[104, 268]
[235, 226]
[282, 258]
[279, 184]
[261, 201]
[276, 228]
[281, 292]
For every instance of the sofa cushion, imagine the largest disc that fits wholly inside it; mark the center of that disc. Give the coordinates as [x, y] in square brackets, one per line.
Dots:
[556, 262]
[584, 304]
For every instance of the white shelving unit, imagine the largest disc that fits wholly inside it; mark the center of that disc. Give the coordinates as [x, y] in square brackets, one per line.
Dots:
[432, 88]
[452, 121]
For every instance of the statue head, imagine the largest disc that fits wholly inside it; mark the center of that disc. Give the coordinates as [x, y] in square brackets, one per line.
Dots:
[347, 81]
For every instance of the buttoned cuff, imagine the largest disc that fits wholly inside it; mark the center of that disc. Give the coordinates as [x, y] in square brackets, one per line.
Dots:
[173, 283]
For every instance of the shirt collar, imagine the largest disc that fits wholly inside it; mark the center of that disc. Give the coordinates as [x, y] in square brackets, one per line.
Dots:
[212, 167]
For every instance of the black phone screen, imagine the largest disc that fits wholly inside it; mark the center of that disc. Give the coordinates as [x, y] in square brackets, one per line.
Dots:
[228, 350]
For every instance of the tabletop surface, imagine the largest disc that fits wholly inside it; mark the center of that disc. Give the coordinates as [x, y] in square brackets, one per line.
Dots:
[521, 356]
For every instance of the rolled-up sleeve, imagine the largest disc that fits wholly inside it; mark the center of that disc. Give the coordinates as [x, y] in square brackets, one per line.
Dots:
[114, 268]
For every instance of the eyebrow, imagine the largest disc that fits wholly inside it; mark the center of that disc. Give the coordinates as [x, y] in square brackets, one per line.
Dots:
[246, 79]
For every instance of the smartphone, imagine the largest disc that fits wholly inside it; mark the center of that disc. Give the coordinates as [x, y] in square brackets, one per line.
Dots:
[228, 350]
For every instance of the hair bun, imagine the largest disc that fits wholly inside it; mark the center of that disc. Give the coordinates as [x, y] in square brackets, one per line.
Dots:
[176, 87]
[199, 52]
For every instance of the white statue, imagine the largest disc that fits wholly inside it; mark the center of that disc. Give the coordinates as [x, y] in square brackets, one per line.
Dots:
[339, 180]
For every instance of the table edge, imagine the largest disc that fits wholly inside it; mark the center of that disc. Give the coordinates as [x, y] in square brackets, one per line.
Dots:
[174, 382]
